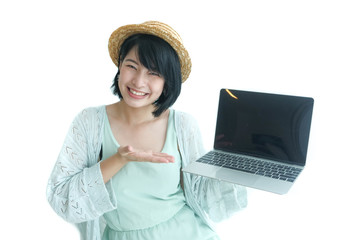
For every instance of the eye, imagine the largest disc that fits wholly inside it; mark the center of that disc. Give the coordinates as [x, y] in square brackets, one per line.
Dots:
[154, 74]
[131, 66]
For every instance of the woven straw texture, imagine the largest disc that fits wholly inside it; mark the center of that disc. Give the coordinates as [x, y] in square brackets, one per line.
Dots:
[158, 29]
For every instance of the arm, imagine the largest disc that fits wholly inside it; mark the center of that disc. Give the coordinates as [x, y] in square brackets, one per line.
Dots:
[76, 190]
[218, 199]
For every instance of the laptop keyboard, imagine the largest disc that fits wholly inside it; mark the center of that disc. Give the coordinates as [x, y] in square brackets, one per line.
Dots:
[251, 165]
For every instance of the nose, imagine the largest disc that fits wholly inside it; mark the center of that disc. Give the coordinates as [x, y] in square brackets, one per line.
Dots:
[140, 79]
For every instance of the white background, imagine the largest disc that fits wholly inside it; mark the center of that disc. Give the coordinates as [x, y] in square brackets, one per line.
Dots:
[54, 62]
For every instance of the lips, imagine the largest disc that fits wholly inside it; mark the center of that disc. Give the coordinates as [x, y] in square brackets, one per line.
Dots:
[136, 94]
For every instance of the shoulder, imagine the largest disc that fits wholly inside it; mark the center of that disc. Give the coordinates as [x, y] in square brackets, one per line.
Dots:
[89, 124]
[189, 137]
[186, 123]
[91, 113]
[184, 118]
[90, 118]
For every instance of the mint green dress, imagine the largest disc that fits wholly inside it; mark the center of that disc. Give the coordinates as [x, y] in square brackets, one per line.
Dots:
[150, 200]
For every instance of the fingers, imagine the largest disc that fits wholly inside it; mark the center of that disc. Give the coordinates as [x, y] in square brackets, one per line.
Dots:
[149, 156]
[135, 155]
[164, 155]
[163, 158]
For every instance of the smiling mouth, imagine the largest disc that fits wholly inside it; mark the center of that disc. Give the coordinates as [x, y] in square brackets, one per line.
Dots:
[136, 92]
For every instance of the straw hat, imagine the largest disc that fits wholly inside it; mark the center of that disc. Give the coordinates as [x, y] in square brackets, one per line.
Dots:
[158, 29]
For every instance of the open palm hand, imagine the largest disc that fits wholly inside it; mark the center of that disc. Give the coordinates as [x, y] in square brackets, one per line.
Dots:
[134, 155]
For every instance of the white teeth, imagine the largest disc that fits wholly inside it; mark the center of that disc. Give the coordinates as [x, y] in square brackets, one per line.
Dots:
[137, 93]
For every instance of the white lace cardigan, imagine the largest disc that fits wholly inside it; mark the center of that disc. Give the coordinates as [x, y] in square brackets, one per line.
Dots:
[76, 190]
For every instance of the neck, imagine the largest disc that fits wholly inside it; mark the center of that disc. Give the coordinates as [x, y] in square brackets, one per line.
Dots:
[135, 116]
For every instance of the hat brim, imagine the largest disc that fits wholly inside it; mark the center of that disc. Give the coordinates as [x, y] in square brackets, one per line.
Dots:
[158, 29]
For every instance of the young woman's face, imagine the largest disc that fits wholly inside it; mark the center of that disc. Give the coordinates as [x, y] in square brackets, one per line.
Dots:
[139, 86]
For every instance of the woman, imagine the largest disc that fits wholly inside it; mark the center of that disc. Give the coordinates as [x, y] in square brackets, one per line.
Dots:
[118, 175]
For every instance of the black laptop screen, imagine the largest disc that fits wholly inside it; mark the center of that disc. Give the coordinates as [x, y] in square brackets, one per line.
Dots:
[264, 125]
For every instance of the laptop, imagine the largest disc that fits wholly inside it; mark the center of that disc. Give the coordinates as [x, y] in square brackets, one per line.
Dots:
[261, 140]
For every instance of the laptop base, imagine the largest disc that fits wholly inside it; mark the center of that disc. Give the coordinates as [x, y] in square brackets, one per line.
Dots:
[241, 178]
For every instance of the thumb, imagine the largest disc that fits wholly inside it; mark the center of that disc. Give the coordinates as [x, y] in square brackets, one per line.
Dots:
[125, 150]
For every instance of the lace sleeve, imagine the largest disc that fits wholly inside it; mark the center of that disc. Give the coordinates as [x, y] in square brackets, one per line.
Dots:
[219, 200]
[76, 190]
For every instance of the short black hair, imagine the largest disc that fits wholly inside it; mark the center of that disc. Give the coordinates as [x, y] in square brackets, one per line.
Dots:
[156, 55]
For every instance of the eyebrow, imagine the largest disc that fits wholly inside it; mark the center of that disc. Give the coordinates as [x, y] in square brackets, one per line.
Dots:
[131, 60]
